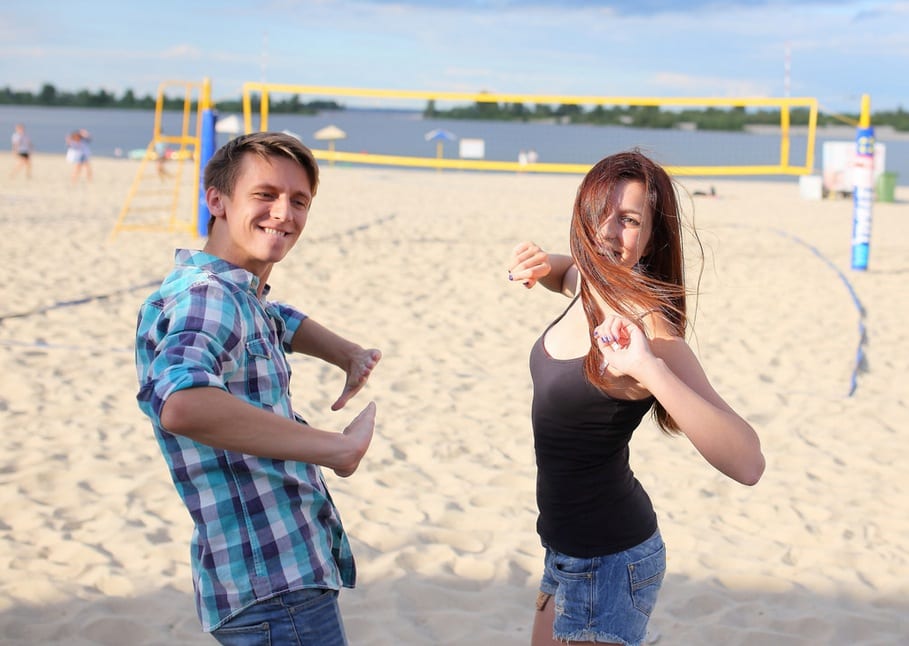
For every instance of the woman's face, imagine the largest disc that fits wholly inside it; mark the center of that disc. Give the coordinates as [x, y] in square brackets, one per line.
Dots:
[624, 233]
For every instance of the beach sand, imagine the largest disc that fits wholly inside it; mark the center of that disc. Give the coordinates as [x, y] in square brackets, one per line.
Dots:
[94, 539]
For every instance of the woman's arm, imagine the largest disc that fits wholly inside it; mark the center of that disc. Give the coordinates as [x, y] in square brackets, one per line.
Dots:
[668, 368]
[529, 264]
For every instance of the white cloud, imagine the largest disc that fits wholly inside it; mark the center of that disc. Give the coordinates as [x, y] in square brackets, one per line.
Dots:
[182, 51]
[709, 86]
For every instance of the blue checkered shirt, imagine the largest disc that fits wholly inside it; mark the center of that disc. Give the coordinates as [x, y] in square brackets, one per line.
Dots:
[262, 526]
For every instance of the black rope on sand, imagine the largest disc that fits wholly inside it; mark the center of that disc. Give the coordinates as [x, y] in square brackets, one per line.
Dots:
[79, 301]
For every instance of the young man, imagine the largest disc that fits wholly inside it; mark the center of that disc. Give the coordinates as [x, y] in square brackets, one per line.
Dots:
[269, 553]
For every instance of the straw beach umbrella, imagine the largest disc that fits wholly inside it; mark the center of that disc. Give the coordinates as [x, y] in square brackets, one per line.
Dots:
[330, 134]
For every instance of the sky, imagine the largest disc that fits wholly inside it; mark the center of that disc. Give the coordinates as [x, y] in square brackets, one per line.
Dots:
[834, 51]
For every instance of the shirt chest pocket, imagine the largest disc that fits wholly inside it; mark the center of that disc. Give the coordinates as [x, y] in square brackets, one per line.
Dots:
[267, 376]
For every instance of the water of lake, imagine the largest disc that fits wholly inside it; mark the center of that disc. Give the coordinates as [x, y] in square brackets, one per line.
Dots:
[402, 133]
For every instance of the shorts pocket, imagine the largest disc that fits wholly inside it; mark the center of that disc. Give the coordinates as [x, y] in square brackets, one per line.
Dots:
[575, 596]
[571, 567]
[646, 578]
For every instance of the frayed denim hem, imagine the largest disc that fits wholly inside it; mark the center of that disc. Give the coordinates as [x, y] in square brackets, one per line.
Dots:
[588, 636]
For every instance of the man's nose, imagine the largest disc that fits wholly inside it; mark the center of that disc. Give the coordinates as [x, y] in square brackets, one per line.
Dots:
[280, 209]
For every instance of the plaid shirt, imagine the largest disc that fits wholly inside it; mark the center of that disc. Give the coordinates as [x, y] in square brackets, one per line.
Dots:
[262, 526]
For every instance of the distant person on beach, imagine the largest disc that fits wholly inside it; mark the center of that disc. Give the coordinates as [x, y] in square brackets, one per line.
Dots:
[78, 154]
[161, 158]
[615, 353]
[22, 149]
[269, 553]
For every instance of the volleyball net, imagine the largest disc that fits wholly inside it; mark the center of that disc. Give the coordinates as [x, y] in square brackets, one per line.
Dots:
[787, 131]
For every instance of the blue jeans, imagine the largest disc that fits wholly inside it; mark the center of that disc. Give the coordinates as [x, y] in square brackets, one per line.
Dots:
[605, 598]
[301, 618]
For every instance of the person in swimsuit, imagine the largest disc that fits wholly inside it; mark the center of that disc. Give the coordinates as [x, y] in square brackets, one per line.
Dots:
[617, 352]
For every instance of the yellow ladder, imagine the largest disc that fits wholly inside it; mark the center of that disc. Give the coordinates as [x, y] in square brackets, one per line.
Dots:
[158, 207]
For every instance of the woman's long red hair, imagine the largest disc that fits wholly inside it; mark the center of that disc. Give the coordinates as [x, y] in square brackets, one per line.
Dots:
[657, 283]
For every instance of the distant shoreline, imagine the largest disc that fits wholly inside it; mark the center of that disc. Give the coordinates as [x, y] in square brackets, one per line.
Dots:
[227, 107]
[881, 133]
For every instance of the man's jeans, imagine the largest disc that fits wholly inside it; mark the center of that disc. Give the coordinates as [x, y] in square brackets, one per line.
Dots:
[300, 618]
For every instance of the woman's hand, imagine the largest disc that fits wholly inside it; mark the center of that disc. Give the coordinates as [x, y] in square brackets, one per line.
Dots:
[528, 264]
[624, 345]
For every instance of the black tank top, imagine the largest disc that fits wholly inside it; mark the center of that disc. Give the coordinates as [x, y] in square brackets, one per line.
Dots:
[589, 501]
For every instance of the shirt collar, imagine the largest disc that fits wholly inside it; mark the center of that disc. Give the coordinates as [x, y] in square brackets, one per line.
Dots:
[227, 271]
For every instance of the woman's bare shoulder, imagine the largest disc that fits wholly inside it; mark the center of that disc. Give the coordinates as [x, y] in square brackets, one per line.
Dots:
[657, 326]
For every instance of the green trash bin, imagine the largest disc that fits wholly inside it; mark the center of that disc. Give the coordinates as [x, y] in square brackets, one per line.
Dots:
[886, 186]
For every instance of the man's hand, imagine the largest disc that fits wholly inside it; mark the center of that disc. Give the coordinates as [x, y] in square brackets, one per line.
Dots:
[358, 369]
[359, 434]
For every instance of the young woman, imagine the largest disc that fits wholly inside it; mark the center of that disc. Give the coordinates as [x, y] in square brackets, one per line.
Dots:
[617, 352]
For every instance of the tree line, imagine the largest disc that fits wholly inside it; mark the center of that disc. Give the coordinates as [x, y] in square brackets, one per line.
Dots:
[732, 119]
[50, 96]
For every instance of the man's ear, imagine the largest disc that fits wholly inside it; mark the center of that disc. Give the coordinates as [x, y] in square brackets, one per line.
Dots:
[215, 202]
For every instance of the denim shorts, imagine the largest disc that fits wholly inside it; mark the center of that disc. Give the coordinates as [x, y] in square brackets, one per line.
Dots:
[308, 617]
[605, 598]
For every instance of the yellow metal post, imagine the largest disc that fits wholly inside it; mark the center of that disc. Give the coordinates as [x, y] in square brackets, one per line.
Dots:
[865, 114]
[784, 136]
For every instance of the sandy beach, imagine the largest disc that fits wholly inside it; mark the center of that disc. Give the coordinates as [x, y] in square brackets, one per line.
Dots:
[94, 539]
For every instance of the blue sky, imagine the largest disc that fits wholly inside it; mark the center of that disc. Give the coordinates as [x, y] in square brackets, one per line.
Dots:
[839, 50]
